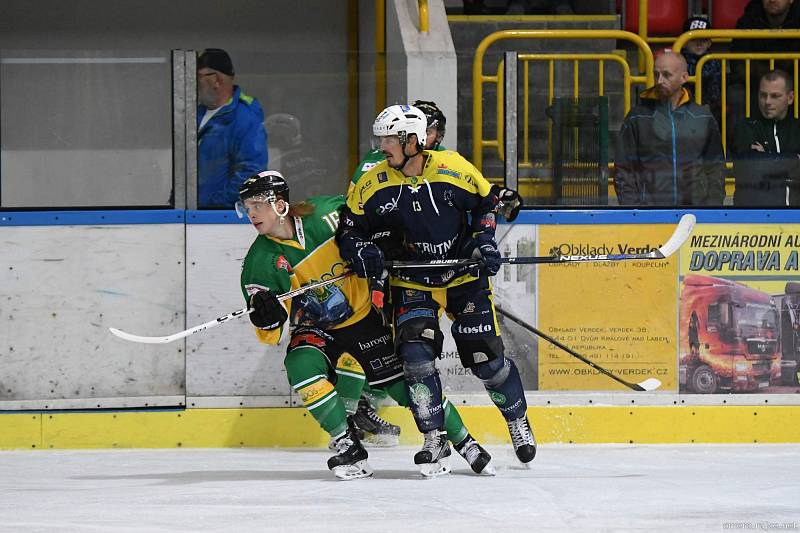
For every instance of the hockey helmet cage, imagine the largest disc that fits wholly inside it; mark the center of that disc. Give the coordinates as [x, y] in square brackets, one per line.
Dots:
[401, 120]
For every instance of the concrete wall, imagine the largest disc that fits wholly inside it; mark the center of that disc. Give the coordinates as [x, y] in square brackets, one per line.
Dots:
[421, 66]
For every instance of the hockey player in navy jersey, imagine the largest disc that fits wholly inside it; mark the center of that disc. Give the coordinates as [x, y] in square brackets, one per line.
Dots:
[431, 206]
[510, 200]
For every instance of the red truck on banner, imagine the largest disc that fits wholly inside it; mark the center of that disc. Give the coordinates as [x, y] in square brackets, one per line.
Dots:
[729, 337]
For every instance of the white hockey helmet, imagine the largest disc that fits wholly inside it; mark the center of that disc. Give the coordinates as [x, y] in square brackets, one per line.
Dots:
[401, 120]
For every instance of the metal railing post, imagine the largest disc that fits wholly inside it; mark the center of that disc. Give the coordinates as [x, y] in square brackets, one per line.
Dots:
[510, 121]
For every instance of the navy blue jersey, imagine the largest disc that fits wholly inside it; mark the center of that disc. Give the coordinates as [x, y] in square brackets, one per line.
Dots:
[442, 214]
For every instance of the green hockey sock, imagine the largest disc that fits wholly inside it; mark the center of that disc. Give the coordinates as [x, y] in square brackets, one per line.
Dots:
[350, 381]
[307, 370]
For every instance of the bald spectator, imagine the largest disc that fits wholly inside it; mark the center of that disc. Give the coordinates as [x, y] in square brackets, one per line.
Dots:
[669, 150]
[231, 140]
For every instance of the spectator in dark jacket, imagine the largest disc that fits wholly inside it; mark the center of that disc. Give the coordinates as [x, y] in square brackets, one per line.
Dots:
[669, 150]
[760, 15]
[766, 149]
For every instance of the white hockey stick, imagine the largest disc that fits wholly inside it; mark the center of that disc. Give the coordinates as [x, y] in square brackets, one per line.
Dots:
[679, 236]
[217, 321]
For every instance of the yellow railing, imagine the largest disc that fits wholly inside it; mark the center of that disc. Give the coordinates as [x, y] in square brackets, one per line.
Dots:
[479, 143]
[551, 59]
[478, 77]
[747, 57]
[423, 15]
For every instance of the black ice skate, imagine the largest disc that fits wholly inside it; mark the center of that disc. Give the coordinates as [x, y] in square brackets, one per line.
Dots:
[356, 431]
[377, 431]
[434, 457]
[351, 461]
[479, 459]
[522, 438]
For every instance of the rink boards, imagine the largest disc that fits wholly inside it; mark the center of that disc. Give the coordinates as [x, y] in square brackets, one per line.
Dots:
[293, 427]
[68, 276]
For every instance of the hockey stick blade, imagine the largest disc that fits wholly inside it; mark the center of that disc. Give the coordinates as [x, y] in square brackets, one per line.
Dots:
[217, 321]
[647, 385]
[676, 240]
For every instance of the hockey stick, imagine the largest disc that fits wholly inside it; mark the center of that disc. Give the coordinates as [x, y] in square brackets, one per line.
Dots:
[646, 385]
[217, 321]
[679, 236]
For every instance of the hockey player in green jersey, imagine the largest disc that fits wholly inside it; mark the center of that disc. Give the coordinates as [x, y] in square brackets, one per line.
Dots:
[335, 333]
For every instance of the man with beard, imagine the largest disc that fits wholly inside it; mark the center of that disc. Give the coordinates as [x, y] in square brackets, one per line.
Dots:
[670, 149]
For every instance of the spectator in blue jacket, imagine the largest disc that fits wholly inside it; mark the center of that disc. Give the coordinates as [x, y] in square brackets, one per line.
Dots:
[231, 139]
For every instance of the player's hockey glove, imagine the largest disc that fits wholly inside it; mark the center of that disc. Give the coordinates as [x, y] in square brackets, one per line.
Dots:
[268, 312]
[369, 261]
[511, 203]
[490, 258]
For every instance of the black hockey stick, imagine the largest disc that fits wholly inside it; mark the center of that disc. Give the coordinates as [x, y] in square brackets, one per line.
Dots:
[679, 236]
[646, 385]
[217, 321]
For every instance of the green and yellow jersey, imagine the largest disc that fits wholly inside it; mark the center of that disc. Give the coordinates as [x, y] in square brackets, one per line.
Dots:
[311, 256]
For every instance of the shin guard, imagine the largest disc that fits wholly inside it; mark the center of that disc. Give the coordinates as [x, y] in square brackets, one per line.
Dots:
[424, 386]
[501, 380]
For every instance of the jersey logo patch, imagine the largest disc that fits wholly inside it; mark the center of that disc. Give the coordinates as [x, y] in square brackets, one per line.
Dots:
[382, 177]
[368, 166]
[448, 172]
[283, 263]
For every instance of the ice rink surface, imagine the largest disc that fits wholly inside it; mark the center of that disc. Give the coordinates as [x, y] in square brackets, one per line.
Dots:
[683, 488]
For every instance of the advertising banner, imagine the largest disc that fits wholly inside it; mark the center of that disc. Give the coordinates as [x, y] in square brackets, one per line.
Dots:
[740, 295]
[619, 314]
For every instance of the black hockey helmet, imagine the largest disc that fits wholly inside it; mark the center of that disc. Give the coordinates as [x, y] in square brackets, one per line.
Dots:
[269, 183]
[434, 115]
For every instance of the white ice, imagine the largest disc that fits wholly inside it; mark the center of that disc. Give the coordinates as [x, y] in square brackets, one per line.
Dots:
[684, 488]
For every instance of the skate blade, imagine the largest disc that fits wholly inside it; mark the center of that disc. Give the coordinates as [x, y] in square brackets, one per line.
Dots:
[488, 470]
[439, 468]
[519, 465]
[377, 440]
[356, 470]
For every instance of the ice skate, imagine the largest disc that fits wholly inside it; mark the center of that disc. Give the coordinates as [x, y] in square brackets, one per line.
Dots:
[356, 431]
[434, 458]
[522, 438]
[377, 431]
[478, 459]
[351, 461]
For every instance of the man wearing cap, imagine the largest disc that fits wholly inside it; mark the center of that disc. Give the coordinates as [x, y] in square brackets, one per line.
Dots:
[231, 140]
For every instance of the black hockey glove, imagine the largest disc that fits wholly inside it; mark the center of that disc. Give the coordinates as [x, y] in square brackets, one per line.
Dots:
[490, 257]
[511, 203]
[268, 312]
[369, 261]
